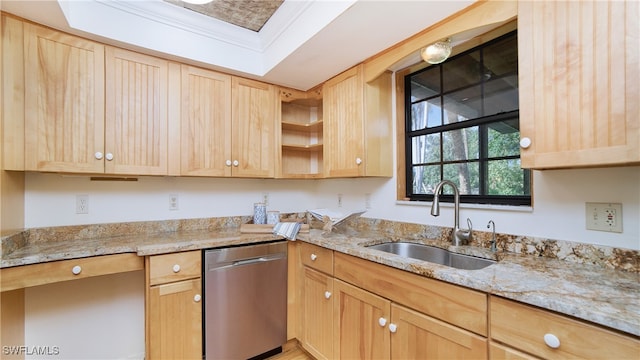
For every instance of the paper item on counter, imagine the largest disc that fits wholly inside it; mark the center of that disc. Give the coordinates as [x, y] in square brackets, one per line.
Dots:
[335, 216]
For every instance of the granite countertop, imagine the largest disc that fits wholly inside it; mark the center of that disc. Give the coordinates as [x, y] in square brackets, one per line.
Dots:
[604, 296]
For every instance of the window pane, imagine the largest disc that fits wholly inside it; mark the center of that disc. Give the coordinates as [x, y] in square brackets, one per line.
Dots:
[465, 176]
[426, 114]
[504, 138]
[461, 71]
[463, 105]
[501, 95]
[507, 178]
[501, 58]
[425, 179]
[425, 84]
[460, 144]
[425, 149]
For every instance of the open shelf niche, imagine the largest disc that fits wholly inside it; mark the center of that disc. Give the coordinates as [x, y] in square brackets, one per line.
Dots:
[302, 126]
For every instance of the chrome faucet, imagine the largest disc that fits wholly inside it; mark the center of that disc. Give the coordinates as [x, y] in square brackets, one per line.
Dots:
[493, 237]
[458, 236]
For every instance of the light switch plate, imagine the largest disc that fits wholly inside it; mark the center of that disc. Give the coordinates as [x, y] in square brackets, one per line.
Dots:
[604, 217]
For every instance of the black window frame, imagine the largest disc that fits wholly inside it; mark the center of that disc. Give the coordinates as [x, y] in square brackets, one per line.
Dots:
[481, 122]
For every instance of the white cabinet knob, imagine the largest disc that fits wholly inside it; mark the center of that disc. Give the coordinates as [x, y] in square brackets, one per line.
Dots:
[176, 268]
[313, 257]
[327, 294]
[382, 321]
[358, 161]
[525, 142]
[393, 327]
[197, 298]
[76, 270]
[109, 156]
[98, 155]
[228, 162]
[236, 163]
[552, 341]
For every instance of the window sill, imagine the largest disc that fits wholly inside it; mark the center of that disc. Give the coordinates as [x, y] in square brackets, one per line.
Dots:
[468, 206]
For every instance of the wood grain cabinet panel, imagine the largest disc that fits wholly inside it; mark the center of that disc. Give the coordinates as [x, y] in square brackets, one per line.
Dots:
[422, 337]
[175, 321]
[357, 125]
[205, 123]
[254, 128]
[579, 83]
[524, 328]
[136, 113]
[64, 101]
[174, 306]
[360, 323]
[317, 314]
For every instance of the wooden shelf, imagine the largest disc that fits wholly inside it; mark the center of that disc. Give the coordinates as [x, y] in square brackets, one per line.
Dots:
[291, 126]
[314, 147]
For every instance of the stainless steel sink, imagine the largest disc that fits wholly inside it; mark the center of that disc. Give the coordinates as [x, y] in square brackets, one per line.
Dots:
[434, 255]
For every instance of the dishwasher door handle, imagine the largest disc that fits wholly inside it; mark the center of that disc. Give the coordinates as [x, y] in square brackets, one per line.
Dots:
[244, 262]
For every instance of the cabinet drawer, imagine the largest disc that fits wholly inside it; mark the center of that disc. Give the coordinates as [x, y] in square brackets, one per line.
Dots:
[524, 327]
[174, 267]
[45, 273]
[317, 257]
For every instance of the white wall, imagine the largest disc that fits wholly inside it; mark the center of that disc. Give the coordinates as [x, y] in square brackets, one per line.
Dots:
[50, 199]
[92, 318]
[558, 211]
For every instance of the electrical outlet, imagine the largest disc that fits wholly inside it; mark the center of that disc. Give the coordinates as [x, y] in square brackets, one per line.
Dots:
[339, 200]
[82, 204]
[265, 198]
[604, 217]
[174, 202]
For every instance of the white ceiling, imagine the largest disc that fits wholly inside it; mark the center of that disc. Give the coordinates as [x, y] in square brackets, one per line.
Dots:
[303, 44]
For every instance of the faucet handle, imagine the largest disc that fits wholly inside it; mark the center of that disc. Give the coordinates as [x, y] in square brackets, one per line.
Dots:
[469, 224]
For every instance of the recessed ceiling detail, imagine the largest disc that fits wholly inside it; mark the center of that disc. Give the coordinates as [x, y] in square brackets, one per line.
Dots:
[249, 14]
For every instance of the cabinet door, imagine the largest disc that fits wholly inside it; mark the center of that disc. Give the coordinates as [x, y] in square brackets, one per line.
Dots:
[421, 337]
[343, 102]
[136, 113]
[205, 122]
[579, 81]
[64, 102]
[317, 314]
[175, 321]
[254, 128]
[360, 320]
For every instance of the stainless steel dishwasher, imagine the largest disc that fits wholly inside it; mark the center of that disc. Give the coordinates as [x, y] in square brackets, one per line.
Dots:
[245, 304]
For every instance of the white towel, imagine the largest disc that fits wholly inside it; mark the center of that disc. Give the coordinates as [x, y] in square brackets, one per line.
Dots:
[287, 229]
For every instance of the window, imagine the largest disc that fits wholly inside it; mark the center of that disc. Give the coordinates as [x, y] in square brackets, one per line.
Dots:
[462, 125]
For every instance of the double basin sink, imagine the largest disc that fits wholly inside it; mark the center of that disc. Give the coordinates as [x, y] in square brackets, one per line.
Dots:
[434, 255]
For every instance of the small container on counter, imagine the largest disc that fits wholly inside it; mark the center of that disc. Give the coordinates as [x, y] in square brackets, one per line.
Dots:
[273, 217]
[259, 213]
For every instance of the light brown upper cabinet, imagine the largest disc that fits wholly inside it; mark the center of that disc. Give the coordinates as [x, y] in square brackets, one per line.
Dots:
[254, 130]
[205, 123]
[64, 102]
[302, 133]
[137, 106]
[93, 109]
[579, 77]
[357, 125]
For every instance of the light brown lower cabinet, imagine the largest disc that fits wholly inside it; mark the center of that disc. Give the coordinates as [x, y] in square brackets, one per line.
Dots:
[317, 314]
[368, 326]
[360, 323]
[418, 336]
[174, 306]
[501, 352]
[534, 331]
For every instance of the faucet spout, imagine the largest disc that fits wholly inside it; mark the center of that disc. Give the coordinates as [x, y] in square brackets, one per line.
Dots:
[458, 236]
